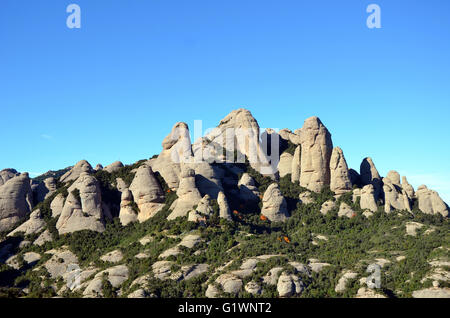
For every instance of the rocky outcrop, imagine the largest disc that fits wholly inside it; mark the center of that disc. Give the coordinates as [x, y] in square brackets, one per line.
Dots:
[340, 179]
[296, 164]
[15, 201]
[115, 166]
[188, 195]
[81, 167]
[274, 204]
[289, 285]
[45, 189]
[409, 189]
[203, 210]
[315, 155]
[208, 178]
[83, 207]
[345, 210]
[7, 174]
[34, 224]
[57, 205]
[247, 189]
[327, 207]
[369, 175]
[224, 208]
[342, 283]
[286, 134]
[176, 150]
[430, 202]
[127, 213]
[285, 164]
[394, 196]
[147, 193]
[368, 198]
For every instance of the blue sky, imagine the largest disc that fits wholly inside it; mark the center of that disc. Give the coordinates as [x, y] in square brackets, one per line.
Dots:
[113, 89]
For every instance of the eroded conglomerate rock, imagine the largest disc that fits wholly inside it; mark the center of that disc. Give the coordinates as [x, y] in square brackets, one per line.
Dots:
[203, 210]
[316, 149]
[368, 198]
[340, 179]
[188, 195]
[15, 201]
[430, 202]
[147, 193]
[409, 189]
[247, 189]
[34, 224]
[296, 164]
[345, 210]
[176, 151]
[45, 189]
[80, 167]
[274, 204]
[7, 174]
[83, 208]
[285, 164]
[224, 208]
[394, 196]
[290, 136]
[57, 205]
[369, 175]
[289, 285]
[115, 166]
[127, 213]
[327, 207]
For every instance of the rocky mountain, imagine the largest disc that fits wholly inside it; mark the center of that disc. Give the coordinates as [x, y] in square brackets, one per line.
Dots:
[229, 214]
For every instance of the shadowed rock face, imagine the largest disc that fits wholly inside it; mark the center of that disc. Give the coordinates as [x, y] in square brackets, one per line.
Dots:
[15, 201]
[369, 175]
[296, 164]
[315, 155]
[340, 179]
[83, 207]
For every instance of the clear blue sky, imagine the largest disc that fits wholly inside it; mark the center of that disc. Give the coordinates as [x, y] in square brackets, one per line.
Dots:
[113, 89]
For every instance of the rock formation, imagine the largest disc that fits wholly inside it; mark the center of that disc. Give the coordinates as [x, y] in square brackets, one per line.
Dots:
[408, 188]
[15, 201]
[224, 209]
[34, 224]
[57, 205]
[127, 214]
[315, 155]
[45, 189]
[7, 174]
[394, 196]
[176, 150]
[114, 167]
[345, 210]
[188, 194]
[247, 189]
[285, 164]
[369, 175]
[147, 193]
[340, 179]
[81, 167]
[83, 207]
[368, 198]
[274, 204]
[430, 202]
[296, 164]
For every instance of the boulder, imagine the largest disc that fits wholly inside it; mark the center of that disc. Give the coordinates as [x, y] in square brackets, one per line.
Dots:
[112, 257]
[253, 288]
[147, 193]
[345, 210]
[327, 207]
[83, 207]
[247, 189]
[412, 227]
[339, 175]
[305, 197]
[34, 224]
[315, 155]
[15, 201]
[289, 285]
[368, 198]
[81, 167]
[115, 166]
[430, 202]
[285, 164]
[188, 195]
[230, 283]
[224, 209]
[296, 164]
[274, 204]
[342, 283]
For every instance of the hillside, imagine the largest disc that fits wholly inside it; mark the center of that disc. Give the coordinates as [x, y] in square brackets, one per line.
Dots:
[176, 226]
